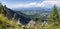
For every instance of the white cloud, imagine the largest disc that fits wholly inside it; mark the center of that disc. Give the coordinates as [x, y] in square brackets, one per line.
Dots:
[35, 4]
[51, 3]
[23, 5]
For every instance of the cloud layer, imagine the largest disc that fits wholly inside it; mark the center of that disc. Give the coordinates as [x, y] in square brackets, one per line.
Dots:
[45, 3]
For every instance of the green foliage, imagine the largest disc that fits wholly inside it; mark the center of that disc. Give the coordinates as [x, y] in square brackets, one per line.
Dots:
[54, 16]
[1, 8]
[38, 19]
[8, 24]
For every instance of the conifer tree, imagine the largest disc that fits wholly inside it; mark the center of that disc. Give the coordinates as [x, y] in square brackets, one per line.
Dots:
[54, 16]
[55, 13]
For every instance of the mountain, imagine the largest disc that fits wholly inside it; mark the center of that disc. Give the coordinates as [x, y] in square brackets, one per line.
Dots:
[23, 19]
[34, 12]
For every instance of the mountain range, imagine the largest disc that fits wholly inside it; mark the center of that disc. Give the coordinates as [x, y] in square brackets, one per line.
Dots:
[34, 12]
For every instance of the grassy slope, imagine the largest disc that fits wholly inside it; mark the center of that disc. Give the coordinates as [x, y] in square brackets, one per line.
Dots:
[6, 24]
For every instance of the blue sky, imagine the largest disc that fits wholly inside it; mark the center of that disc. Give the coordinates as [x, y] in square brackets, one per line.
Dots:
[20, 1]
[30, 3]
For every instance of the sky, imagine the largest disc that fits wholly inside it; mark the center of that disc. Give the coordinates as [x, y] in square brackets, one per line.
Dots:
[30, 3]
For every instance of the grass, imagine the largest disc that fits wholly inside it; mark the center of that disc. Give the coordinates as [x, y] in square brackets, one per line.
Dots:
[5, 23]
[11, 24]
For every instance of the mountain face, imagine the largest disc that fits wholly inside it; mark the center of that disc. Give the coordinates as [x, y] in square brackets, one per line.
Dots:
[34, 12]
[18, 16]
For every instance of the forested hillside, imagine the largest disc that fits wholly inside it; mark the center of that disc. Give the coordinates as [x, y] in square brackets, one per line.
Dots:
[51, 22]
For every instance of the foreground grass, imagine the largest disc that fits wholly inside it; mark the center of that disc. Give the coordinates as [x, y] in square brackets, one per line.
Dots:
[46, 26]
[7, 24]
[11, 24]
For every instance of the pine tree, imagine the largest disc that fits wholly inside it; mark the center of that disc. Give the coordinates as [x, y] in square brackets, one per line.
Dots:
[55, 13]
[54, 16]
